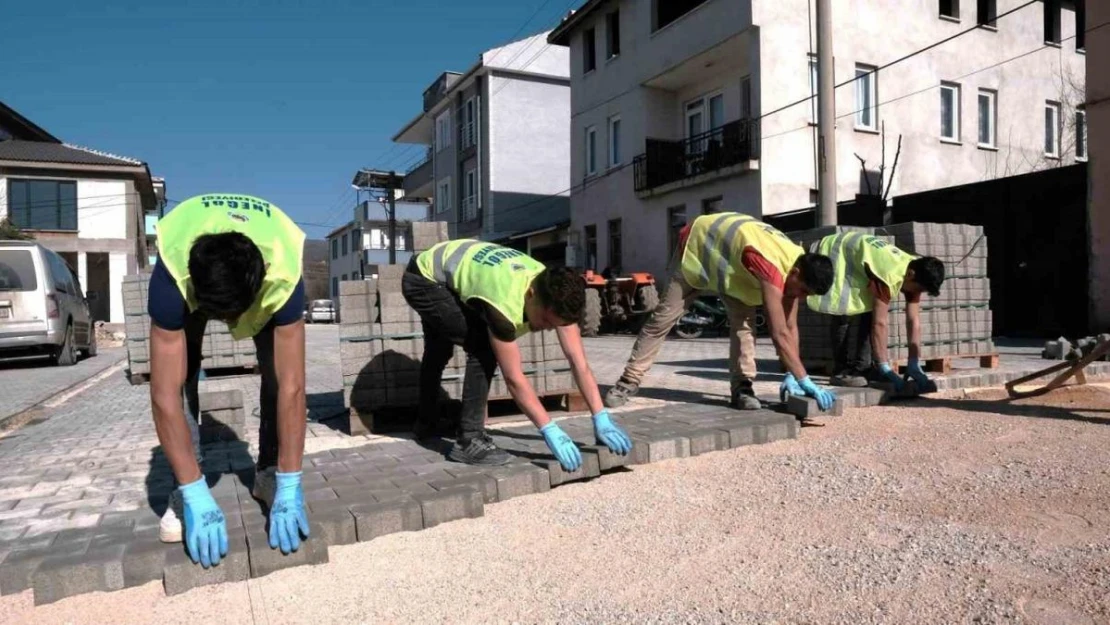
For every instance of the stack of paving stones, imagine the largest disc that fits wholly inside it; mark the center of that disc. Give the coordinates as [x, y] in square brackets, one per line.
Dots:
[353, 495]
[382, 344]
[219, 350]
[1063, 349]
[957, 323]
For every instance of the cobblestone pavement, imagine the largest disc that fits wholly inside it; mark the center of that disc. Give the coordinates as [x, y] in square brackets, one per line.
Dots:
[28, 381]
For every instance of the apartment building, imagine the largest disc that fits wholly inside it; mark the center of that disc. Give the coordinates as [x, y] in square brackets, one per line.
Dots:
[498, 160]
[689, 107]
[88, 206]
[357, 248]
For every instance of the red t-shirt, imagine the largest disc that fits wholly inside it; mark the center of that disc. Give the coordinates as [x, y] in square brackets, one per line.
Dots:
[882, 292]
[752, 260]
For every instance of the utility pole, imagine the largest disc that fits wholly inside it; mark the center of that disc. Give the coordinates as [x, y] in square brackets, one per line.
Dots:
[826, 118]
[392, 217]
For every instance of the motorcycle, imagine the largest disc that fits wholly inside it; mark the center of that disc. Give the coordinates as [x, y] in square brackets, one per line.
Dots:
[708, 312]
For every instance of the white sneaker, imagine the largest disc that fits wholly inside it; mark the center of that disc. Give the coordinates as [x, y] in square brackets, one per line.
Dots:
[170, 529]
[264, 484]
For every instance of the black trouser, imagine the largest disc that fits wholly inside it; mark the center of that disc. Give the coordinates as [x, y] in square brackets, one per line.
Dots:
[447, 323]
[851, 341]
[195, 324]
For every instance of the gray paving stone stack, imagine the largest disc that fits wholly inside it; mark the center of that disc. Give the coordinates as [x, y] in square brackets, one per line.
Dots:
[219, 350]
[222, 416]
[956, 323]
[425, 234]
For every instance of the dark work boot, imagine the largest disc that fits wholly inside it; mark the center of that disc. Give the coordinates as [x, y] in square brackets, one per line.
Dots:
[745, 399]
[479, 450]
[620, 394]
[849, 378]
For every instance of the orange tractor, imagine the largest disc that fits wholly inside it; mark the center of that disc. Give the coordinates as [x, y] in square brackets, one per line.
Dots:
[618, 304]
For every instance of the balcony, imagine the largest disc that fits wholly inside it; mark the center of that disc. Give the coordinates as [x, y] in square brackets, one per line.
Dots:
[418, 179]
[468, 136]
[669, 165]
[469, 209]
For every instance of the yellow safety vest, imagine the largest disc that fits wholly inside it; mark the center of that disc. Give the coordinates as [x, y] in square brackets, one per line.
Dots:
[853, 254]
[711, 260]
[499, 276]
[277, 237]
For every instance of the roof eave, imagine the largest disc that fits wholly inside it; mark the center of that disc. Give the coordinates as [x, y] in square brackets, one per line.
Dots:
[560, 36]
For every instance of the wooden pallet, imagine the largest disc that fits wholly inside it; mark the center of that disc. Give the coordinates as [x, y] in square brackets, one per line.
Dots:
[943, 365]
[394, 419]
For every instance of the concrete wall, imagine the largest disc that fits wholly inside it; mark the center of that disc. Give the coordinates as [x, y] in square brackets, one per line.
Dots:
[1098, 118]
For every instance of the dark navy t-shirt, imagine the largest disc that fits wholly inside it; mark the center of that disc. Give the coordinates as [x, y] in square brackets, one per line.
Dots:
[168, 310]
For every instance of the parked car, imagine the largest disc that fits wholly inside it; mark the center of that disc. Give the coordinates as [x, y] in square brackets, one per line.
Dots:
[321, 311]
[43, 309]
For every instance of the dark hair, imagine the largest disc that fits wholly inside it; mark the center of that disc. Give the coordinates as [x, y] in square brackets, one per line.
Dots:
[929, 273]
[563, 291]
[817, 272]
[226, 270]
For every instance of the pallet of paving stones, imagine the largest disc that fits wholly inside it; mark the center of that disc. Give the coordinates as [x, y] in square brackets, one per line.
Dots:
[221, 355]
[353, 495]
[955, 324]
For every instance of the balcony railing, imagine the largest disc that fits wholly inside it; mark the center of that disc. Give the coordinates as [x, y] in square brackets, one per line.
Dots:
[468, 137]
[665, 162]
[470, 208]
[422, 162]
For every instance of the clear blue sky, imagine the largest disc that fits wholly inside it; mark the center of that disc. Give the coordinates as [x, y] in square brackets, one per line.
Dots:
[280, 99]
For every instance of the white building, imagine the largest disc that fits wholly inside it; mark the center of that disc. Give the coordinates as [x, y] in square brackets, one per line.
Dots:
[498, 162]
[357, 248]
[676, 107]
[88, 206]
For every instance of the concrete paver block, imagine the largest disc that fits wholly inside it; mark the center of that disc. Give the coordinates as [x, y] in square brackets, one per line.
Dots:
[485, 484]
[18, 568]
[590, 468]
[98, 569]
[450, 504]
[806, 408]
[180, 574]
[144, 560]
[372, 520]
[335, 526]
[265, 560]
[516, 480]
[704, 441]
[607, 460]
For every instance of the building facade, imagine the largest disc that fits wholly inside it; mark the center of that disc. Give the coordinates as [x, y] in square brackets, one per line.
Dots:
[88, 206]
[357, 248]
[685, 108]
[498, 160]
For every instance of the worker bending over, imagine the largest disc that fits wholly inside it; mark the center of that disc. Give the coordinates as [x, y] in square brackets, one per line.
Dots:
[747, 263]
[482, 297]
[236, 259]
[869, 272]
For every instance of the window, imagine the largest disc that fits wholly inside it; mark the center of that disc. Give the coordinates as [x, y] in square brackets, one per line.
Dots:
[1052, 22]
[867, 90]
[613, 34]
[746, 97]
[711, 205]
[614, 141]
[591, 151]
[1081, 25]
[63, 280]
[334, 249]
[676, 221]
[813, 88]
[377, 240]
[344, 244]
[470, 196]
[469, 136]
[356, 239]
[1081, 135]
[987, 12]
[615, 255]
[667, 11]
[335, 286]
[343, 278]
[443, 130]
[988, 118]
[1052, 129]
[43, 204]
[589, 51]
[591, 248]
[443, 196]
[949, 112]
[704, 115]
[950, 8]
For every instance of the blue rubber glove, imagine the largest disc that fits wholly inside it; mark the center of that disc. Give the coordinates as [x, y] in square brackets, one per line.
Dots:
[915, 371]
[610, 434]
[560, 444]
[288, 519]
[825, 398]
[789, 387]
[892, 376]
[205, 526]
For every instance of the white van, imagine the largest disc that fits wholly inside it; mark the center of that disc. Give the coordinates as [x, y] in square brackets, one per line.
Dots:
[43, 309]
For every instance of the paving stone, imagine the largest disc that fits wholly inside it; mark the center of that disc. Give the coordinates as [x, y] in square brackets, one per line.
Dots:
[180, 574]
[590, 468]
[606, 459]
[336, 526]
[415, 485]
[144, 559]
[378, 519]
[806, 408]
[704, 441]
[320, 494]
[98, 569]
[450, 504]
[516, 480]
[18, 568]
[659, 447]
[265, 560]
[485, 484]
[336, 479]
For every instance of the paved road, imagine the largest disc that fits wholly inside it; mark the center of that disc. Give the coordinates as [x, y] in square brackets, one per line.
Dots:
[28, 381]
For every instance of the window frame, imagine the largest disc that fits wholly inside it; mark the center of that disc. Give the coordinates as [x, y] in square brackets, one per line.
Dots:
[443, 200]
[870, 75]
[443, 131]
[990, 21]
[31, 205]
[614, 142]
[1054, 107]
[992, 97]
[589, 50]
[954, 7]
[957, 112]
[814, 81]
[1081, 137]
[612, 35]
[591, 151]
[335, 248]
[470, 194]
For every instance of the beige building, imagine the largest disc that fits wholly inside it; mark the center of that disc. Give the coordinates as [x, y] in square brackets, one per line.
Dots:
[682, 108]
